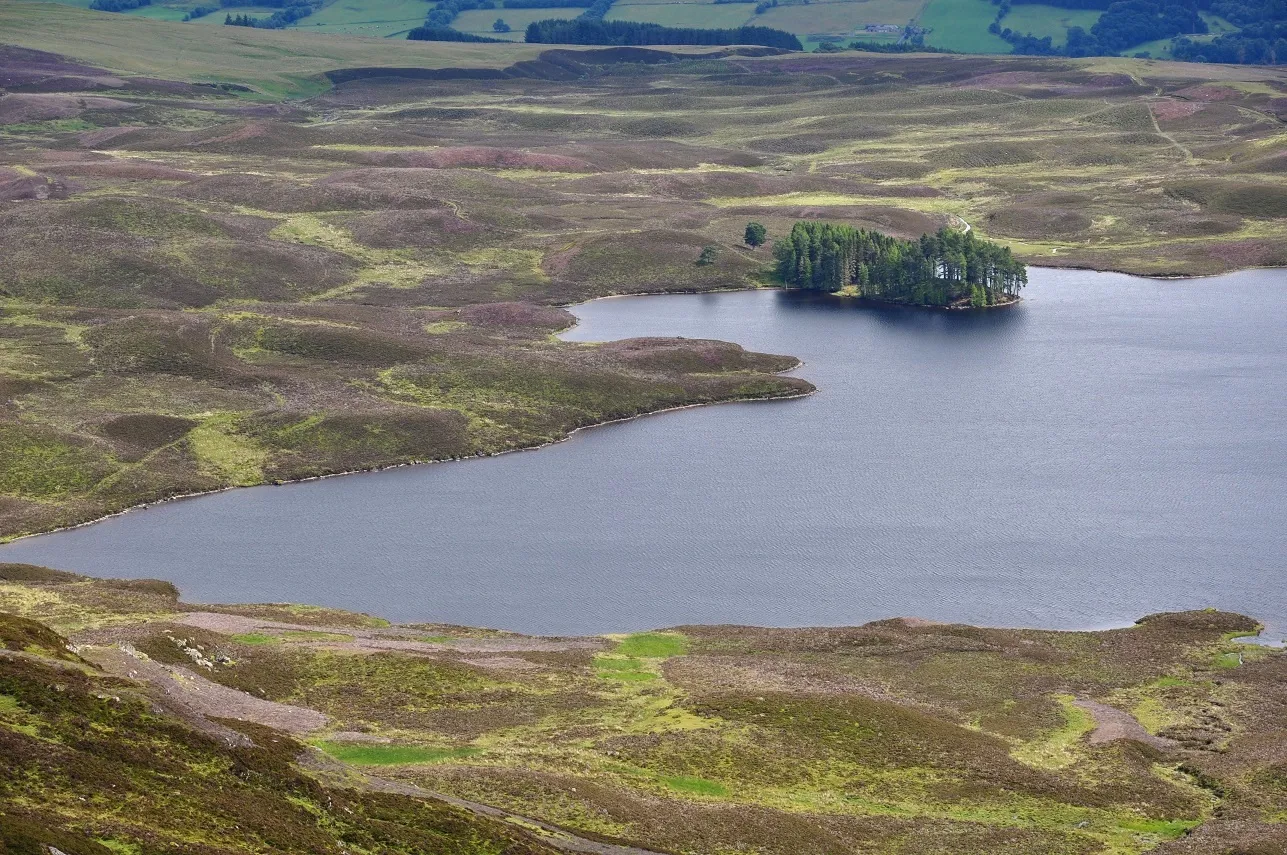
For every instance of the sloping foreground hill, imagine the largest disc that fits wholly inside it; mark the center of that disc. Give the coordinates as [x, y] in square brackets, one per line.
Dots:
[132, 721]
[96, 765]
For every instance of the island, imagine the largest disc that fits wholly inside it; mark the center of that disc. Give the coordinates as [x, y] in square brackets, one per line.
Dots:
[950, 268]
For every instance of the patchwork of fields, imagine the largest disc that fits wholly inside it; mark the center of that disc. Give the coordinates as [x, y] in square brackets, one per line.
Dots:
[958, 25]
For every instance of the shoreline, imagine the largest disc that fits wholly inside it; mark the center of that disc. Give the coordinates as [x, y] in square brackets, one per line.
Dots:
[376, 469]
[562, 332]
[210, 609]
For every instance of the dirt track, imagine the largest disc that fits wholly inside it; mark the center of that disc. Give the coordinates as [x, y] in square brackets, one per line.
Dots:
[195, 697]
[1112, 724]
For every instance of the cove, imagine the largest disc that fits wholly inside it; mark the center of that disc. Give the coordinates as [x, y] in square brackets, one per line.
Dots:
[1111, 447]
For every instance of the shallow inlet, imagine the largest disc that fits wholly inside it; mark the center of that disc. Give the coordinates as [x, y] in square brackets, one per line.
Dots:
[1112, 447]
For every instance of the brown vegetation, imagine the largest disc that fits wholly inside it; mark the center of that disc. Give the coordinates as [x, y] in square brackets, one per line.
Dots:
[898, 736]
[197, 291]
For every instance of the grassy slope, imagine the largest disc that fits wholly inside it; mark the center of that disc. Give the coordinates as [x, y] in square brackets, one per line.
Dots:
[279, 62]
[94, 767]
[890, 738]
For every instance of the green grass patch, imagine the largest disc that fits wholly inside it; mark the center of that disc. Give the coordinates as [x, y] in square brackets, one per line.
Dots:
[254, 638]
[1169, 682]
[1056, 749]
[630, 670]
[1228, 660]
[379, 18]
[53, 126]
[844, 18]
[626, 661]
[694, 786]
[444, 327]
[382, 754]
[479, 21]
[703, 15]
[1167, 829]
[121, 847]
[43, 463]
[653, 645]
[289, 636]
[234, 458]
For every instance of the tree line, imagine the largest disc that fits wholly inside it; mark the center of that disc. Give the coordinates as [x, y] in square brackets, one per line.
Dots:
[118, 5]
[547, 4]
[947, 268]
[446, 34]
[445, 11]
[590, 32]
[1260, 40]
[1125, 24]
[597, 11]
[278, 20]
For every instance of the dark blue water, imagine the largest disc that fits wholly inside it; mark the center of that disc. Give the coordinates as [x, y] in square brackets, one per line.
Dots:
[1113, 447]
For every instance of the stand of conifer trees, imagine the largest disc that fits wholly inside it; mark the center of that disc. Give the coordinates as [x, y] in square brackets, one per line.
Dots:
[948, 268]
[587, 30]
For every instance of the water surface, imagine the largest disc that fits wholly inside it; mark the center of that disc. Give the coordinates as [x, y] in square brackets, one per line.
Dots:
[1113, 447]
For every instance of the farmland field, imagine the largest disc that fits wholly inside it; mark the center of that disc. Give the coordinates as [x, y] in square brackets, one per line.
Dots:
[704, 14]
[277, 62]
[958, 25]
[365, 17]
[480, 21]
[1051, 21]
[962, 25]
[839, 17]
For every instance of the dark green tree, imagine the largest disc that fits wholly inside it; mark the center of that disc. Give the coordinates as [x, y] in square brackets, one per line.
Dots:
[500, 26]
[707, 256]
[756, 234]
[947, 268]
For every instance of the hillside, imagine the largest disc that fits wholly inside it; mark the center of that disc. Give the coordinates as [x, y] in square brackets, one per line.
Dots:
[168, 727]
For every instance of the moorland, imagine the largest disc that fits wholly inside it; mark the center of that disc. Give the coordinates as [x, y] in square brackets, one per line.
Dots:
[232, 256]
[207, 284]
[132, 722]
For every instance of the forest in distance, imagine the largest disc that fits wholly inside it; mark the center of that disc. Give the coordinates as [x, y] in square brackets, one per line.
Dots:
[949, 268]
